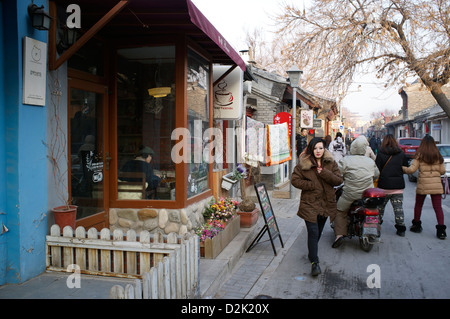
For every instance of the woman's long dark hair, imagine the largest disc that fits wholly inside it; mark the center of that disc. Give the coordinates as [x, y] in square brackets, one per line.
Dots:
[389, 142]
[311, 146]
[428, 152]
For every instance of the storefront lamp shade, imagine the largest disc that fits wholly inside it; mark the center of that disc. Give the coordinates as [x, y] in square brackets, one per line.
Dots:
[294, 74]
[159, 91]
[40, 19]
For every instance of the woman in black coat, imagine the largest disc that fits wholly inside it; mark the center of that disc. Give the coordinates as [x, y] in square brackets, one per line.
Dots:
[390, 159]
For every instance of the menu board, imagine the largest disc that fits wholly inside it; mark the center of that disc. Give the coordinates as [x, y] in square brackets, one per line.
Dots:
[270, 221]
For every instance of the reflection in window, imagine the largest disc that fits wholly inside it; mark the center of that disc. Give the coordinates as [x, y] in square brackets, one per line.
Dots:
[197, 123]
[145, 121]
[86, 149]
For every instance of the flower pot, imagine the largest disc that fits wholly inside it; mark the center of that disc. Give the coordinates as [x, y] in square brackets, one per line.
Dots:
[212, 247]
[248, 219]
[65, 216]
[228, 182]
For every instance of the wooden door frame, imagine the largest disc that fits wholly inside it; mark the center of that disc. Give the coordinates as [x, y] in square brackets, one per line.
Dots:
[99, 220]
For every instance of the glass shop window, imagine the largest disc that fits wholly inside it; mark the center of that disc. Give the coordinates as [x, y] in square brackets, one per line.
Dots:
[145, 121]
[197, 122]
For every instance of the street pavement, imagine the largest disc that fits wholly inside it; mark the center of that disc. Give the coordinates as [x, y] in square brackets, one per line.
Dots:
[410, 267]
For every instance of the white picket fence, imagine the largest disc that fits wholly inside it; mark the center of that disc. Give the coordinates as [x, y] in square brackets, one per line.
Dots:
[175, 277]
[168, 265]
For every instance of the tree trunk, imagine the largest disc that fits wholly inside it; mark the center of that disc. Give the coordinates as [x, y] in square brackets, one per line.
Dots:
[441, 98]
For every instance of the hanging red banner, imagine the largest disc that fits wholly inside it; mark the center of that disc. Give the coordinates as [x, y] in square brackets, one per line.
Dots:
[284, 117]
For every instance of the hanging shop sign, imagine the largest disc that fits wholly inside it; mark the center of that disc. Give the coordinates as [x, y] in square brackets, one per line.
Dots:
[34, 71]
[228, 93]
[284, 117]
[435, 127]
[306, 118]
[336, 124]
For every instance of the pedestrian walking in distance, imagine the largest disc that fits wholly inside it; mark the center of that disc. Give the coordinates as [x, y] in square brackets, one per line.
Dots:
[390, 159]
[430, 164]
[337, 147]
[316, 174]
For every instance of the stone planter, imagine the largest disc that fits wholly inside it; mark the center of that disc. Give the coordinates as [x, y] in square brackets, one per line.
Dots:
[248, 219]
[211, 248]
[228, 182]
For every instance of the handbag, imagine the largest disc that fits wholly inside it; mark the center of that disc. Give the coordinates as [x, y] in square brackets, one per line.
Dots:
[375, 182]
[445, 185]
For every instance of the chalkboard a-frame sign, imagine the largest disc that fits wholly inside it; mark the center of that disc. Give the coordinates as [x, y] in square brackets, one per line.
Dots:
[270, 222]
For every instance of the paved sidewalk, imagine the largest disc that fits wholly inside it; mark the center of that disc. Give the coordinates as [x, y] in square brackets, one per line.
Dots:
[53, 285]
[255, 267]
[232, 274]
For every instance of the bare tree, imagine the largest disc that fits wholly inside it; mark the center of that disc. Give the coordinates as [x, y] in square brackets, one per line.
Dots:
[266, 53]
[383, 113]
[399, 38]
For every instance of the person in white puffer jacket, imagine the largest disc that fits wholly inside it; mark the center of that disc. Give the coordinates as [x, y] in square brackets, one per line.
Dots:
[337, 147]
[359, 172]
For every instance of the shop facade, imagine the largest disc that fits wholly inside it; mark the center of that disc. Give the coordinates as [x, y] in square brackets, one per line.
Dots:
[124, 133]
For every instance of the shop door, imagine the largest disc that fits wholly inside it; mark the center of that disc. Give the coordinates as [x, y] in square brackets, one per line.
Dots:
[89, 153]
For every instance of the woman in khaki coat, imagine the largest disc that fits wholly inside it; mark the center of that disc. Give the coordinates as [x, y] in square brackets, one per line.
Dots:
[316, 174]
[431, 166]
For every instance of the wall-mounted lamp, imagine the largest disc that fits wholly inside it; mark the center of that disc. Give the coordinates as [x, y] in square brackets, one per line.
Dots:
[40, 19]
[67, 37]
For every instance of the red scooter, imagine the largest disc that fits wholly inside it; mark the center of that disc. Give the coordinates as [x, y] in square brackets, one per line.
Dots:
[363, 217]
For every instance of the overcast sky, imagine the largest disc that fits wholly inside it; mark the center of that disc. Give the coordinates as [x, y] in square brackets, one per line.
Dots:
[234, 18]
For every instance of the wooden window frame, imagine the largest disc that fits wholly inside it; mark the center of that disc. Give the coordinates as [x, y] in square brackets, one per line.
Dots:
[182, 45]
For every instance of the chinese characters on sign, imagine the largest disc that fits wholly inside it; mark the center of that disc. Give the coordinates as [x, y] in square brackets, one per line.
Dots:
[284, 117]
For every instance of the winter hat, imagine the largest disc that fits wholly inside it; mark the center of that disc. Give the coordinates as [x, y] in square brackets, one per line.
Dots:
[146, 150]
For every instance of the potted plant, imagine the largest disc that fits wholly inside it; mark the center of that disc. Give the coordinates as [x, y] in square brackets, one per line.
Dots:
[247, 211]
[222, 225]
[231, 179]
[65, 214]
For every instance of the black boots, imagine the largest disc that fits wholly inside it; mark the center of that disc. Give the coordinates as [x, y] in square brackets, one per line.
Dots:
[401, 230]
[440, 231]
[315, 269]
[416, 226]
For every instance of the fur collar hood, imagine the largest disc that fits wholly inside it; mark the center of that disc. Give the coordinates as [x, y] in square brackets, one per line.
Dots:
[306, 164]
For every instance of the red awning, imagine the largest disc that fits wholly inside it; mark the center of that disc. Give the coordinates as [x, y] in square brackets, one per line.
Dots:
[203, 24]
[140, 18]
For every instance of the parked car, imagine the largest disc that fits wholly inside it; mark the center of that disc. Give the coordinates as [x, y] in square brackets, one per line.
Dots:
[409, 145]
[444, 149]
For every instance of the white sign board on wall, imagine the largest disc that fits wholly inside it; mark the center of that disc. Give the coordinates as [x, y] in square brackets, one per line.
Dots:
[34, 71]
[228, 93]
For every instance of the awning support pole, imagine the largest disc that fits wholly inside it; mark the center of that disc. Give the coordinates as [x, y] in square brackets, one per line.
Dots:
[53, 65]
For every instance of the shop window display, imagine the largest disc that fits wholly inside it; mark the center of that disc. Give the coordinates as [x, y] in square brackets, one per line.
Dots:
[198, 82]
[145, 121]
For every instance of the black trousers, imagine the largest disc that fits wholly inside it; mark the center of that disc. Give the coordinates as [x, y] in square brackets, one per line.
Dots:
[314, 233]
